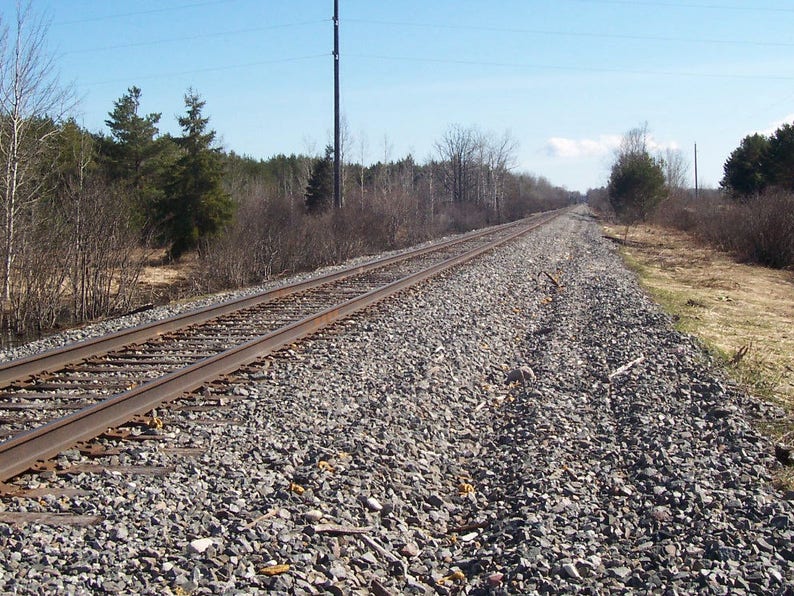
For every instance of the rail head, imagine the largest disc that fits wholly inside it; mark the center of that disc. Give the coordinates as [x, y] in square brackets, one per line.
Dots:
[51, 360]
[21, 452]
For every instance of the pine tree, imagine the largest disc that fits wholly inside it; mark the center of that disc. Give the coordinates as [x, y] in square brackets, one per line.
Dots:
[133, 155]
[195, 205]
[746, 171]
[320, 188]
[636, 183]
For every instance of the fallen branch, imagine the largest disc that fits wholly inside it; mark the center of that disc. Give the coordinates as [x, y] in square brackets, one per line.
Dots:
[390, 557]
[337, 530]
[261, 518]
[626, 367]
[552, 279]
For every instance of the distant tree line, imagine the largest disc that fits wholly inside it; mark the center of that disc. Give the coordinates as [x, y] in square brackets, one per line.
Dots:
[752, 216]
[286, 220]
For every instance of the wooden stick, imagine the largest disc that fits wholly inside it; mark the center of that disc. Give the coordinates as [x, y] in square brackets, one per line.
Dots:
[337, 530]
[372, 543]
[468, 527]
[262, 517]
[626, 367]
[553, 280]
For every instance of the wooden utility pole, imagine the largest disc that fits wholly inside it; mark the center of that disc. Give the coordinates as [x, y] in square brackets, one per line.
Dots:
[696, 171]
[337, 149]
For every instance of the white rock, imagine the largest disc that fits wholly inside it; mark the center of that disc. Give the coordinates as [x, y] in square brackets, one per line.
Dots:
[571, 570]
[373, 504]
[199, 545]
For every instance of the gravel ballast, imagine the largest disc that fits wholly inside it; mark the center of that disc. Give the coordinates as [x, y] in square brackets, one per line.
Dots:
[530, 423]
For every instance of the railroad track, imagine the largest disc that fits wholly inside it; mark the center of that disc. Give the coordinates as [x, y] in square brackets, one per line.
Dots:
[58, 399]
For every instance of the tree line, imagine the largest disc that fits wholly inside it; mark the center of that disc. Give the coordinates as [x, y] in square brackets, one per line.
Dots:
[751, 216]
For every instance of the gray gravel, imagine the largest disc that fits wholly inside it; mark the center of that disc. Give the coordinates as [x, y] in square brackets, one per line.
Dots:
[390, 454]
[105, 327]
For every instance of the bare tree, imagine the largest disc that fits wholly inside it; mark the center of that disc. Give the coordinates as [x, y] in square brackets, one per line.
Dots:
[345, 142]
[676, 171]
[634, 142]
[32, 102]
[458, 151]
[501, 160]
[362, 146]
[384, 177]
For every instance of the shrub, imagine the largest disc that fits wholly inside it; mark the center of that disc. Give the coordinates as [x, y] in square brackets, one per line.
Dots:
[761, 231]
[769, 235]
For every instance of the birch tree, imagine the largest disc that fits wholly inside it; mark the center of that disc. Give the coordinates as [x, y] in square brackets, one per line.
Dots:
[32, 102]
[458, 150]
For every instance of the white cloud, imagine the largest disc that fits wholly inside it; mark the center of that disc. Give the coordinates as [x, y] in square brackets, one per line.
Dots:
[770, 130]
[657, 146]
[604, 144]
[562, 147]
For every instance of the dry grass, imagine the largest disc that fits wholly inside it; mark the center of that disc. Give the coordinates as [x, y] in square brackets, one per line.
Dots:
[162, 281]
[744, 313]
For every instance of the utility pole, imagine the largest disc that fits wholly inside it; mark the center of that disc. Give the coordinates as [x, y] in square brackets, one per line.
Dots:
[696, 171]
[337, 160]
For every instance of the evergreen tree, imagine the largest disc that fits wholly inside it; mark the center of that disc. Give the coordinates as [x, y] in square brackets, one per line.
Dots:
[133, 138]
[133, 155]
[195, 205]
[780, 159]
[637, 182]
[320, 188]
[746, 173]
[636, 186]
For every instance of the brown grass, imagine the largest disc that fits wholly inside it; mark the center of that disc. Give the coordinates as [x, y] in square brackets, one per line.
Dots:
[742, 312]
[162, 281]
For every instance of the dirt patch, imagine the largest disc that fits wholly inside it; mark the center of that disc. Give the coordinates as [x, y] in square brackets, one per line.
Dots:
[162, 281]
[745, 313]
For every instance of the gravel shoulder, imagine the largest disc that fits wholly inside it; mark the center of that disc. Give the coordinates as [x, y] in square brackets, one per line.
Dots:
[743, 313]
[390, 454]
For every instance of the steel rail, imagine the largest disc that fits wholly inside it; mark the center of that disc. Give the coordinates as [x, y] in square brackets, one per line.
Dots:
[58, 358]
[21, 452]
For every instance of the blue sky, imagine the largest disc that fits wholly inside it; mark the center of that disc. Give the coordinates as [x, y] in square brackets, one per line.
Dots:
[565, 77]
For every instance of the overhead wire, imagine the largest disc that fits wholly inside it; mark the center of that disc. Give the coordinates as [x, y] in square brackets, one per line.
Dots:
[196, 37]
[555, 33]
[141, 12]
[210, 69]
[574, 68]
[753, 8]
[525, 31]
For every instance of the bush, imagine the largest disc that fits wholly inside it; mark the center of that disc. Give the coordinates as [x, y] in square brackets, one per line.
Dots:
[760, 232]
[769, 230]
[274, 234]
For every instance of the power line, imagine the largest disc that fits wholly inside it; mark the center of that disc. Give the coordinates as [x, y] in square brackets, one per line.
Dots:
[141, 12]
[194, 37]
[574, 68]
[753, 8]
[571, 33]
[203, 70]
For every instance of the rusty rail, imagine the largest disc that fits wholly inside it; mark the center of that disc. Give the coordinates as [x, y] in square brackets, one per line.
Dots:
[58, 358]
[21, 452]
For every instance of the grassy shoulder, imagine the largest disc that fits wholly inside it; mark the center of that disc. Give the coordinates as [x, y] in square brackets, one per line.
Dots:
[742, 313]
